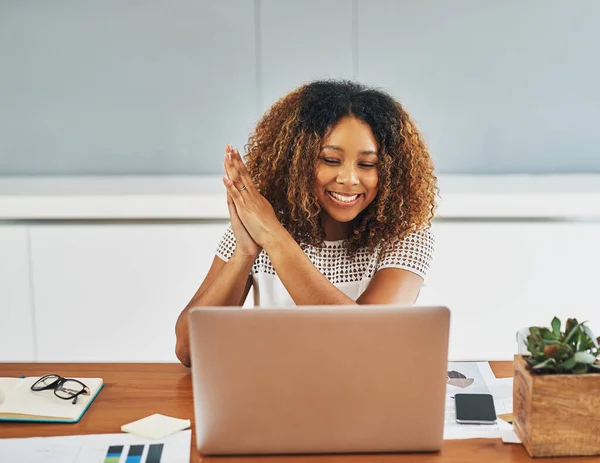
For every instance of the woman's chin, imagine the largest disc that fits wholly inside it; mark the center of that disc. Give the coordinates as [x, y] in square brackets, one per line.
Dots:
[343, 216]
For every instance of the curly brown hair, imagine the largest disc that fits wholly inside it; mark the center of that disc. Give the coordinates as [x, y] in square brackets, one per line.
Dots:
[282, 153]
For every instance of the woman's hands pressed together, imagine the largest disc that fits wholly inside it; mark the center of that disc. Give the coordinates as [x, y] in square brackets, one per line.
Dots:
[253, 219]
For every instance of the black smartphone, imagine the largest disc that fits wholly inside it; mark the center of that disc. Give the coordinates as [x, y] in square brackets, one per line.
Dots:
[475, 409]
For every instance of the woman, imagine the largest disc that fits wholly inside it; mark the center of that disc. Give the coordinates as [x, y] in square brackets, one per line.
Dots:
[333, 206]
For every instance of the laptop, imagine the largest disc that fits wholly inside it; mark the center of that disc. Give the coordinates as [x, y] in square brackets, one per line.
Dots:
[319, 379]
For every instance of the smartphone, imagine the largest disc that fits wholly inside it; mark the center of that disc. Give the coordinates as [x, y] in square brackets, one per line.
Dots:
[475, 409]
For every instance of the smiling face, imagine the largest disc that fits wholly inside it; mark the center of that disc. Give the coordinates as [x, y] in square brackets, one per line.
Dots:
[346, 175]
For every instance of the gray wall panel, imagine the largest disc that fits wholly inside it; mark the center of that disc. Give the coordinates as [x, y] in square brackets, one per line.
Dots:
[156, 87]
[497, 86]
[124, 87]
[302, 41]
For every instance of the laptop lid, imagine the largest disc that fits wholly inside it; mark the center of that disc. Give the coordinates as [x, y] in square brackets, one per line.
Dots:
[319, 379]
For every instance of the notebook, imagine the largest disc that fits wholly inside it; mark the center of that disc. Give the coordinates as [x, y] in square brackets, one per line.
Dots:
[19, 403]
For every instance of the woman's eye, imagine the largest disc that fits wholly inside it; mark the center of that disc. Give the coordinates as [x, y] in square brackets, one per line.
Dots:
[331, 161]
[367, 166]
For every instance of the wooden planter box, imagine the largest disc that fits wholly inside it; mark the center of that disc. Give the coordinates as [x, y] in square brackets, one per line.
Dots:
[556, 415]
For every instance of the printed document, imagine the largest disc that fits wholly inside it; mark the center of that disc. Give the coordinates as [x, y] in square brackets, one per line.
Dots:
[97, 448]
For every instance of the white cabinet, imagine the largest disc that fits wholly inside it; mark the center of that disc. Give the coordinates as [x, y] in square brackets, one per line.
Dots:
[113, 292]
[82, 279]
[16, 320]
[498, 277]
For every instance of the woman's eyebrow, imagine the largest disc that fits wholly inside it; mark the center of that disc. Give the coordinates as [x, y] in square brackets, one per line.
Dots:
[332, 147]
[339, 148]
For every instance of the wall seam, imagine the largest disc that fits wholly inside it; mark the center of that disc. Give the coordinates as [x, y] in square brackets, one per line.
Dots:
[32, 297]
[355, 39]
[258, 54]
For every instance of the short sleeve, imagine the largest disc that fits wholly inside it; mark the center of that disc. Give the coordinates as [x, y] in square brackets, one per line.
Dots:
[414, 253]
[226, 245]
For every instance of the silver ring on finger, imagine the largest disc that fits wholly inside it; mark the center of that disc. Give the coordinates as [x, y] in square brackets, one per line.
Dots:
[243, 188]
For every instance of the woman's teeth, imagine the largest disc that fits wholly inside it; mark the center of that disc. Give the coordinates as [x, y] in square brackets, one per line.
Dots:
[345, 199]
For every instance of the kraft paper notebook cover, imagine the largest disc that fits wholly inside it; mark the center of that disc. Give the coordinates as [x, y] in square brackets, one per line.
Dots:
[19, 403]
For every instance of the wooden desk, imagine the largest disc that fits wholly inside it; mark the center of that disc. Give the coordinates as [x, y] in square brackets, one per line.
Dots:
[133, 391]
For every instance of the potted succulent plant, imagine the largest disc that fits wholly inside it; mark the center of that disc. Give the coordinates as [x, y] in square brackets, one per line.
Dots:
[556, 393]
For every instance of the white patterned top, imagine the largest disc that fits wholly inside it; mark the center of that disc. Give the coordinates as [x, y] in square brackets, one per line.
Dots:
[351, 276]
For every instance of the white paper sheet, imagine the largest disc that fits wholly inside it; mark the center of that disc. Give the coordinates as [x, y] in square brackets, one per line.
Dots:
[502, 390]
[92, 448]
[507, 433]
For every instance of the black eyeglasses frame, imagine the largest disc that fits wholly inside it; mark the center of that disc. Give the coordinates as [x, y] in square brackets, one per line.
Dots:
[56, 386]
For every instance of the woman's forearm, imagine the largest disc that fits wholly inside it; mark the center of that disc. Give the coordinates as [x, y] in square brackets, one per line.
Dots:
[227, 288]
[303, 281]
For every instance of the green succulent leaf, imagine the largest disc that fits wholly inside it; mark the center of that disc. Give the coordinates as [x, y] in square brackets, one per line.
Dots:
[575, 350]
[564, 351]
[571, 323]
[547, 335]
[557, 351]
[590, 335]
[581, 342]
[556, 326]
[584, 357]
[531, 361]
[545, 364]
[535, 344]
[572, 333]
[568, 364]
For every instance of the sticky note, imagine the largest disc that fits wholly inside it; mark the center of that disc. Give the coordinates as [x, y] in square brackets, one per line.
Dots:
[156, 426]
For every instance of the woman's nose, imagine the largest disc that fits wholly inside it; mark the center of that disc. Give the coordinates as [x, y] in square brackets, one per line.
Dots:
[347, 175]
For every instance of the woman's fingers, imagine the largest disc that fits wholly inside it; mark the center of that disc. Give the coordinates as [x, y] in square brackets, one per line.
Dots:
[232, 190]
[230, 205]
[240, 167]
[227, 162]
[231, 168]
[233, 217]
[236, 170]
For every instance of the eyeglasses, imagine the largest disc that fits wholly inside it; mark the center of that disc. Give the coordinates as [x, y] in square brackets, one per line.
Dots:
[64, 388]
